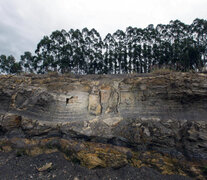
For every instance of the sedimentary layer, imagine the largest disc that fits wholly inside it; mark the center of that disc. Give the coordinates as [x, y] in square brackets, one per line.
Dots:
[159, 116]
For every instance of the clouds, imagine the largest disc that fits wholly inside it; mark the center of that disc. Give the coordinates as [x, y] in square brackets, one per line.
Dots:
[24, 22]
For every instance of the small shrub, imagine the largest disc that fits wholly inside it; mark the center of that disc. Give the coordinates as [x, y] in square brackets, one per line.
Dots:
[162, 71]
[53, 74]
[69, 74]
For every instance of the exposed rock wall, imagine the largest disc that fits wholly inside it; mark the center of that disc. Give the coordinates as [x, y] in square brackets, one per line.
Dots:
[162, 113]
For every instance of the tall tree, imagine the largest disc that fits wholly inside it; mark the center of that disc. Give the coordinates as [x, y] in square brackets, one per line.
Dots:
[9, 65]
[27, 61]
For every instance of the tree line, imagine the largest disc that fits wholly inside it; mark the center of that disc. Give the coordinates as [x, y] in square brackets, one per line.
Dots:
[176, 45]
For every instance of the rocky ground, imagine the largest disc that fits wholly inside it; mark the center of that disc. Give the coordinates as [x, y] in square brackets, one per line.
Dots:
[22, 167]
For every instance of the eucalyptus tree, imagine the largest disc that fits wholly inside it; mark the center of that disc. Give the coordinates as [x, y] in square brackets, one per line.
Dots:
[137, 50]
[149, 38]
[28, 63]
[199, 34]
[87, 50]
[199, 30]
[45, 56]
[58, 43]
[77, 42]
[96, 63]
[178, 30]
[130, 50]
[3, 64]
[191, 57]
[65, 53]
[109, 54]
[9, 65]
[161, 34]
[14, 67]
[121, 51]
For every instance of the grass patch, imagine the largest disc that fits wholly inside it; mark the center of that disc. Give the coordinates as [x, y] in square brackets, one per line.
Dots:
[162, 71]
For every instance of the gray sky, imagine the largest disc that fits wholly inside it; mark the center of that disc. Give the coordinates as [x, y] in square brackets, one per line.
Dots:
[24, 22]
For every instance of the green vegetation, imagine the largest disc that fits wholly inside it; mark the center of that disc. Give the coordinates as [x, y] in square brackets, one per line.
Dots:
[178, 46]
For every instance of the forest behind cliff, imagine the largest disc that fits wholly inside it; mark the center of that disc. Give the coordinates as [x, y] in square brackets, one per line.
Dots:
[175, 46]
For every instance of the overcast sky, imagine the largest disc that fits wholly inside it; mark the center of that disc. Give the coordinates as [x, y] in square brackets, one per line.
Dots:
[24, 22]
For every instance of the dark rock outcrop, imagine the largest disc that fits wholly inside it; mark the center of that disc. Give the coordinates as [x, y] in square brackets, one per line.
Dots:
[157, 121]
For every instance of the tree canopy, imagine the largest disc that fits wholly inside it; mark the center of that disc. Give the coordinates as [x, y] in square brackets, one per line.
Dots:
[176, 45]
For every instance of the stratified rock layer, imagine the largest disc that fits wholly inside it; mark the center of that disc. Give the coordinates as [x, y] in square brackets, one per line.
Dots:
[147, 114]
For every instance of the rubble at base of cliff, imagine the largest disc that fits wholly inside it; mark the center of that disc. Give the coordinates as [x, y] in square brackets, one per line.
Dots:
[13, 166]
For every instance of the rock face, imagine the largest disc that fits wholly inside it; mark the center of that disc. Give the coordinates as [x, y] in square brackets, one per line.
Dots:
[164, 114]
[94, 102]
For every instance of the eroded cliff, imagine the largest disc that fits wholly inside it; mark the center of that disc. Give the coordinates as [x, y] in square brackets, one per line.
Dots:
[150, 120]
